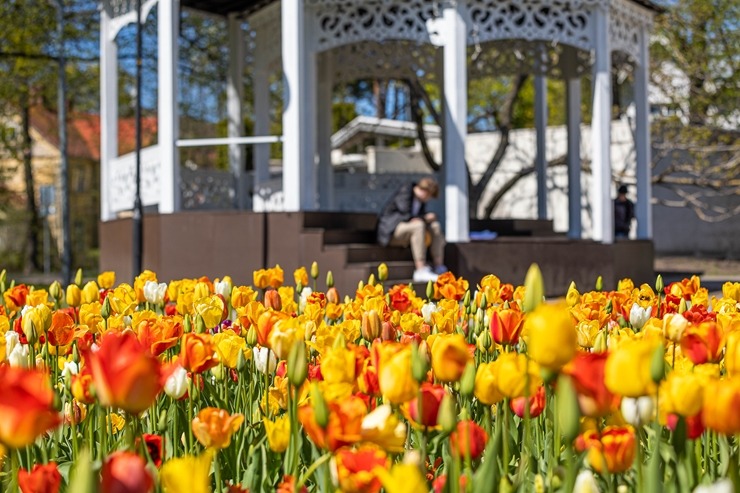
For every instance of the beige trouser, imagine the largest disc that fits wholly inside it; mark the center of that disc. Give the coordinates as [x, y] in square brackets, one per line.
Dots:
[414, 233]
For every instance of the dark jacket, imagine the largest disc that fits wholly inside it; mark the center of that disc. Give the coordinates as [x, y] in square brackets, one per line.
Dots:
[624, 212]
[397, 210]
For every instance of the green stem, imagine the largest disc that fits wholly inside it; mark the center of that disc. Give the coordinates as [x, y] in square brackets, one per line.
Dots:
[217, 468]
[311, 470]
[190, 414]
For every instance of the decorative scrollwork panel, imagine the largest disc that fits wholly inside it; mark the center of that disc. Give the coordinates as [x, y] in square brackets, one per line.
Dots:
[392, 60]
[342, 22]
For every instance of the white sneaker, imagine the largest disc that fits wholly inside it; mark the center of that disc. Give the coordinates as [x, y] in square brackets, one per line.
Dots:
[424, 274]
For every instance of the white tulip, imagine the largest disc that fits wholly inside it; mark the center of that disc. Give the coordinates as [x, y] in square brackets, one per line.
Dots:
[303, 299]
[154, 293]
[18, 357]
[177, 383]
[426, 311]
[223, 288]
[12, 339]
[264, 360]
[639, 315]
[722, 486]
[70, 368]
[586, 483]
[638, 411]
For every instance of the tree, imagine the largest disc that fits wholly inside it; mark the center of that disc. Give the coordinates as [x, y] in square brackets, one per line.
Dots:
[695, 68]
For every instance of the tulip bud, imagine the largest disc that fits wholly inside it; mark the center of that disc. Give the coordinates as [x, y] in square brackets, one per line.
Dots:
[534, 288]
[315, 270]
[78, 277]
[657, 364]
[3, 277]
[419, 364]
[200, 325]
[74, 295]
[162, 423]
[241, 361]
[105, 310]
[682, 306]
[659, 284]
[371, 325]
[466, 299]
[76, 354]
[177, 383]
[505, 486]
[329, 280]
[388, 332]
[609, 307]
[55, 290]
[360, 285]
[272, 300]
[447, 416]
[568, 412]
[467, 381]
[297, 364]
[218, 373]
[187, 324]
[383, 272]
[371, 279]
[483, 301]
[332, 295]
[600, 342]
[599, 283]
[480, 316]
[251, 336]
[430, 290]
[484, 341]
[30, 329]
[320, 408]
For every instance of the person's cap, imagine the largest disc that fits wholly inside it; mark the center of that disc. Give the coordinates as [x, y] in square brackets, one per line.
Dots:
[622, 189]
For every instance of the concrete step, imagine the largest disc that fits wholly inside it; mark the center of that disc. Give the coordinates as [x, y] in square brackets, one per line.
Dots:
[340, 220]
[344, 236]
[361, 253]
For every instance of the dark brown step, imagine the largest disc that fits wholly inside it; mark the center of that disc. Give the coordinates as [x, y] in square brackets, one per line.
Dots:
[356, 221]
[362, 253]
[344, 236]
[398, 270]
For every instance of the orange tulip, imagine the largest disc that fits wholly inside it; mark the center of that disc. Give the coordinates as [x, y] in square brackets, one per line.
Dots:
[213, 427]
[703, 343]
[447, 287]
[26, 406]
[197, 353]
[587, 372]
[125, 373]
[62, 329]
[344, 425]
[265, 323]
[721, 404]
[15, 298]
[356, 469]
[126, 472]
[506, 325]
[160, 334]
[42, 479]
[615, 448]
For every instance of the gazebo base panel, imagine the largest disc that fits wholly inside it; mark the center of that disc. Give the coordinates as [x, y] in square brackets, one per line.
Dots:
[561, 260]
[236, 243]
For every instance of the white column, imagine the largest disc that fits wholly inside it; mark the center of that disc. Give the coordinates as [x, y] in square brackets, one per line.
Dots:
[234, 107]
[168, 114]
[540, 119]
[298, 153]
[643, 207]
[108, 111]
[573, 102]
[457, 224]
[324, 127]
[601, 201]
[261, 92]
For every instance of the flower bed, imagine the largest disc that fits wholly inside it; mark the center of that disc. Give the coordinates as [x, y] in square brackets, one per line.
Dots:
[199, 386]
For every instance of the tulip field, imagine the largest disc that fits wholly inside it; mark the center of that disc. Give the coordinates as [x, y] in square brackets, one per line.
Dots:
[287, 385]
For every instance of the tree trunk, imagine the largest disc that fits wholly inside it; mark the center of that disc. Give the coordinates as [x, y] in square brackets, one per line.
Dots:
[33, 255]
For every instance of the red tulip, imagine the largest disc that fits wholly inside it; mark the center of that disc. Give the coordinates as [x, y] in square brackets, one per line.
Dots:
[125, 472]
[42, 479]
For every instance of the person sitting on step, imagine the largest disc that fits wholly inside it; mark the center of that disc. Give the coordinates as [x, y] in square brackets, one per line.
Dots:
[404, 221]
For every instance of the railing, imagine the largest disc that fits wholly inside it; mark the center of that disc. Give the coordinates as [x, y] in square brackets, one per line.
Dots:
[122, 180]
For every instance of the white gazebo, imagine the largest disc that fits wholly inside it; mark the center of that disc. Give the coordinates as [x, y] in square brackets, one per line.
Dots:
[318, 43]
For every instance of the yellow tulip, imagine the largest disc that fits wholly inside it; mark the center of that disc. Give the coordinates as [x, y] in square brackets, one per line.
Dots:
[394, 377]
[90, 315]
[211, 308]
[551, 336]
[731, 290]
[586, 332]
[486, 384]
[38, 297]
[107, 279]
[512, 375]
[683, 393]
[383, 428]
[123, 300]
[402, 478]
[300, 276]
[241, 295]
[732, 354]
[627, 370]
[228, 346]
[90, 292]
[721, 402]
[74, 295]
[411, 322]
[626, 285]
[338, 365]
[283, 335]
[278, 433]
[187, 474]
[140, 281]
[450, 356]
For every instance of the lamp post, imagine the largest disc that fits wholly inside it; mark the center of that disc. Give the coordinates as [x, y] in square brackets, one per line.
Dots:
[138, 212]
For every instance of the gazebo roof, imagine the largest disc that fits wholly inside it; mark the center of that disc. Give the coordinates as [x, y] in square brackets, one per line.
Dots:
[224, 7]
